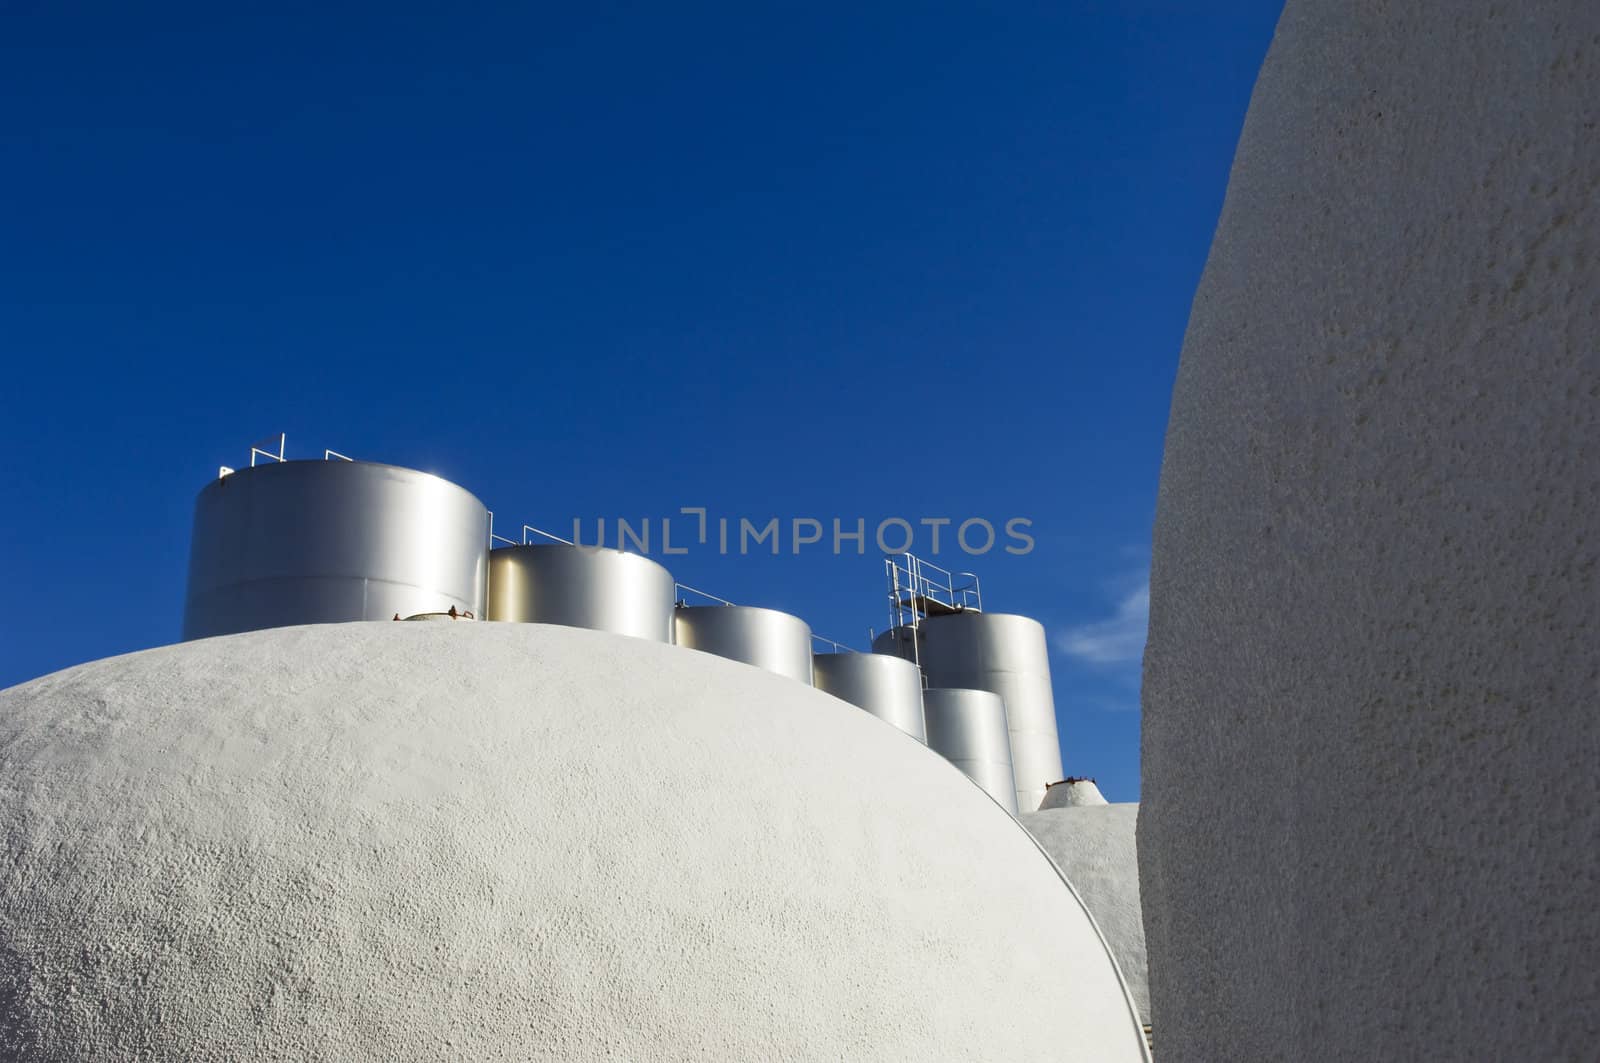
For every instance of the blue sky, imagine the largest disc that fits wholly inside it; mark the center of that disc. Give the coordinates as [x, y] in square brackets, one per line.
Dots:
[855, 261]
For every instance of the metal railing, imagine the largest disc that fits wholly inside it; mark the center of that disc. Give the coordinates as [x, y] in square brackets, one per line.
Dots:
[919, 589]
[678, 588]
[263, 451]
[527, 530]
[838, 647]
[256, 449]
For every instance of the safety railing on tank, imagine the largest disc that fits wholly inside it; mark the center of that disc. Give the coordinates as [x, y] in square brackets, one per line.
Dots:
[263, 451]
[838, 647]
[919, 588]
[527, 530]
[679, 588]
[256, 450]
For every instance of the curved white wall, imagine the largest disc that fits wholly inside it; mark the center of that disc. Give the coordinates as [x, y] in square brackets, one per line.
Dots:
[512, 841]
[1371, 746]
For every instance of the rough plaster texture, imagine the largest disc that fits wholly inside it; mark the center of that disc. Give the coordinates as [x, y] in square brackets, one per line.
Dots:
[493, 842]
[1371, 740]
[1093, 845]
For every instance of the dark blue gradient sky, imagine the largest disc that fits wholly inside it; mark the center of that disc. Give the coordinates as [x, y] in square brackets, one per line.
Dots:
[855, 261]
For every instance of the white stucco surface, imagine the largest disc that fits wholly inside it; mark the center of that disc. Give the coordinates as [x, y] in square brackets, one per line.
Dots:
[495, 842]
[1094, 846]
[1371, 781]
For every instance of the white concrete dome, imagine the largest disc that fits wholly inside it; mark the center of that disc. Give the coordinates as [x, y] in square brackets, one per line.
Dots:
[492, 842]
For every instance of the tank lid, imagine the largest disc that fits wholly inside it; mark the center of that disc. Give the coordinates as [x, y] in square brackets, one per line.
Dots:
[1072, 792]
[297, 465]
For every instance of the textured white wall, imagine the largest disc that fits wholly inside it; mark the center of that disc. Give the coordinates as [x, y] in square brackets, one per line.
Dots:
[1093, 844]
[1371, 778]
[494, 842]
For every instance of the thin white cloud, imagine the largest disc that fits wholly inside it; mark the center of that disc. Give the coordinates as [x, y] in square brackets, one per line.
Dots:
[1117, 639]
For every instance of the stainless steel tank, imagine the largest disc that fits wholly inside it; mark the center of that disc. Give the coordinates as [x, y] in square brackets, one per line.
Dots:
[887, 687]
[969, 728]
[1006, 655]
[307, 542]
[766, 638]
[581, 586]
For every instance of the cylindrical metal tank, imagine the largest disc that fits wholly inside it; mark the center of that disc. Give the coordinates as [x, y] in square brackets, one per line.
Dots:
[766, 638]
[969, 728]
[1006, 655]
[309, 542]
[887, 687]
[582, 586]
